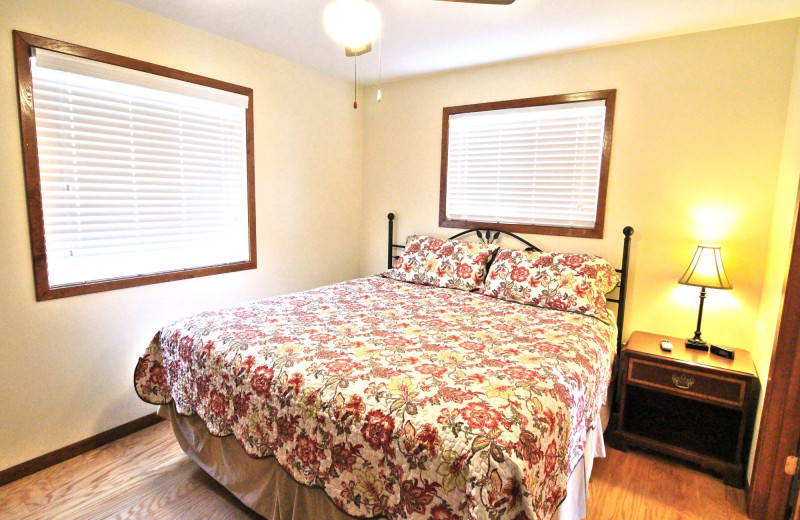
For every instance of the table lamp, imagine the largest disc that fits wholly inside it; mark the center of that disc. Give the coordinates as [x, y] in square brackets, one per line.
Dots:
[705, 271]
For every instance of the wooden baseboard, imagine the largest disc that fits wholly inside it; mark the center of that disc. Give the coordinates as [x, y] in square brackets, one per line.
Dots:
[73, 450]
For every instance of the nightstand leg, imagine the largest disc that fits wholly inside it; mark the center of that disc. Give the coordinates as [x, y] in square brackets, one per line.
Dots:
[620, 444]
[612, 436]
[734, 477]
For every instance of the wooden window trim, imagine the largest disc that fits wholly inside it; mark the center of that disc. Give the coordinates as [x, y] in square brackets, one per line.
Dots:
[597, 231]
[23, 42]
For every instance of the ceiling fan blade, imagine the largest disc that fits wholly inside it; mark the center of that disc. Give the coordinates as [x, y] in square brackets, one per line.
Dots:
[490, 2]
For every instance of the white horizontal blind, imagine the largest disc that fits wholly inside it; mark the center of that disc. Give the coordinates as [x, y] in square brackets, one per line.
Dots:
[136, 180]
[535, 165]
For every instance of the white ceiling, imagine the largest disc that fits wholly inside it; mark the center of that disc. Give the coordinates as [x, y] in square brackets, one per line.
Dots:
[426, 36]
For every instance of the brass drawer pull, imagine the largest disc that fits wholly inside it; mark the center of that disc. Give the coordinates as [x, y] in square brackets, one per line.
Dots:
[682, 381]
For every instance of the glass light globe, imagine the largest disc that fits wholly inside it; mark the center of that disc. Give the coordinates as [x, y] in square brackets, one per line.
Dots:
[353, 23]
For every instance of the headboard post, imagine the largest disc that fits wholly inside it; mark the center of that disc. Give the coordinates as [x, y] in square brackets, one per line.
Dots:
[623, 285]
[390, 216]
[623, 290]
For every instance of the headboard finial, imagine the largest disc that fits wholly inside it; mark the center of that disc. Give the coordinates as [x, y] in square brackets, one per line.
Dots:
[627, 231]
[390, 216]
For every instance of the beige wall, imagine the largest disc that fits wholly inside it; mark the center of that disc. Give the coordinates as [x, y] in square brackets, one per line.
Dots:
[783, 218]
[67, 365]
[697, 142]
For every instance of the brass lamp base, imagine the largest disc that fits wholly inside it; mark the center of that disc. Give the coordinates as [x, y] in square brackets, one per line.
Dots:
[697, 344]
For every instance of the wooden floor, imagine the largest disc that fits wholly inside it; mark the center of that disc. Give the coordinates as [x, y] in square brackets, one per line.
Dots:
[146, 475]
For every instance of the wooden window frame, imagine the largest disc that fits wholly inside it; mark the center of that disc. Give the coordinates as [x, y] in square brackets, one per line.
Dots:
[597, 231]
[23, 42]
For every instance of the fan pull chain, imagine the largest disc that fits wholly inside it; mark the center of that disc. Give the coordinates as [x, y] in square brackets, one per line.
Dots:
[380, 69]
[355, 82]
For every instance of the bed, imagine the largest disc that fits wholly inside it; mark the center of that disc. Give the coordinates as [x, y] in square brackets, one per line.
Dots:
[433, 391]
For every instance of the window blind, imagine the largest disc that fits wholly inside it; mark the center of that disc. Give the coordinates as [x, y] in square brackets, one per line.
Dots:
[535, 165]
[140, 174]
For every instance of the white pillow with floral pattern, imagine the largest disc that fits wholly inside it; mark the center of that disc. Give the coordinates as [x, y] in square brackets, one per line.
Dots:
[442, 263]
[561, 281]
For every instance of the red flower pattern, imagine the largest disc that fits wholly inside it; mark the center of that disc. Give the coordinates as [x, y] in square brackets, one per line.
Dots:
[185, 348]
[464, 271]
[519, 274]
[415, 497]
[480, 417]
[157, 376]
[355, 407]
[550, 457]
[217, 403]
[341, 366]
[521, 374]
[248, 334]
[378, 430]
[431, 370]
[307, 451]
[428, 437]
[344, 455]
[286, 426]
[442, 512]
[262, 380]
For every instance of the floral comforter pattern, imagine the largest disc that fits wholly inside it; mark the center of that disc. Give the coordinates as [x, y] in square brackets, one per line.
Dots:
[397, 399]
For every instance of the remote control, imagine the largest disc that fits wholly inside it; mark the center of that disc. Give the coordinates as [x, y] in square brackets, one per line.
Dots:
[666, 345]
[723, 352]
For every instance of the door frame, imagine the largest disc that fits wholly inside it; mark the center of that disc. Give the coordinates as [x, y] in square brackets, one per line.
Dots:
[779, 433]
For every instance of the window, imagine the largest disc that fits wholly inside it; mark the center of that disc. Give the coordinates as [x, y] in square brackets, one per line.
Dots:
[135, 173]
[537, 165]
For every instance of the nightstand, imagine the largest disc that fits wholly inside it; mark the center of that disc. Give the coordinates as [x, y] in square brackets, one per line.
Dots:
[689, 404]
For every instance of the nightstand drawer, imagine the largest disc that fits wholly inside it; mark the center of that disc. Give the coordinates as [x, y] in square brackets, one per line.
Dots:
[689, 383]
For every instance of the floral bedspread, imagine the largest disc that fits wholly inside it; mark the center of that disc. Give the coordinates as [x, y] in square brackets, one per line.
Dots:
[397, 399]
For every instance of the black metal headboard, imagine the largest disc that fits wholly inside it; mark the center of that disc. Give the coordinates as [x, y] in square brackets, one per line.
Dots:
[485, 235]
[489, 235]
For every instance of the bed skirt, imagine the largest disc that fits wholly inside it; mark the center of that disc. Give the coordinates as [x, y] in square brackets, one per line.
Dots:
[266, 488]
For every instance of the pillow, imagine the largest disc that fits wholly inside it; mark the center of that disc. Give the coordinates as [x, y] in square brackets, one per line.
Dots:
[442, 263]
[561, 281]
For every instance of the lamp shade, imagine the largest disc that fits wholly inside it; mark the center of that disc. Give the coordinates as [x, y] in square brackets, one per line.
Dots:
[353, 23]
[706, 269]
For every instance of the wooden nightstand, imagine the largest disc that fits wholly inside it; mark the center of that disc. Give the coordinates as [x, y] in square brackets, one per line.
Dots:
[688, 404]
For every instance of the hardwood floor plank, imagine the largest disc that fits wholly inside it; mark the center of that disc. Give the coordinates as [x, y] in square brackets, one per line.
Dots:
[20, 494]
[635, 485]
[146, 475]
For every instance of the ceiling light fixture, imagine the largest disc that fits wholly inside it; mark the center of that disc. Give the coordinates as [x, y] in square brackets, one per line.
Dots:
[353, 23]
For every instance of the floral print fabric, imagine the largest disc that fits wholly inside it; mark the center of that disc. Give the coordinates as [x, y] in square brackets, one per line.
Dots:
[442, 263]
[397, 399]
[561, 281]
